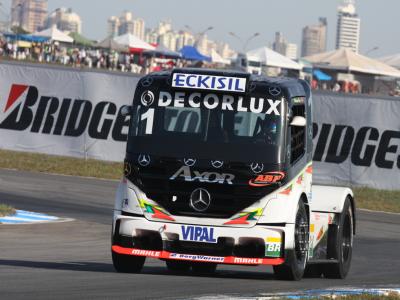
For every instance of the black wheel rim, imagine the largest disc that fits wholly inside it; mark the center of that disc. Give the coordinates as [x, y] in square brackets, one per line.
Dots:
[301, 238]
[346, 239]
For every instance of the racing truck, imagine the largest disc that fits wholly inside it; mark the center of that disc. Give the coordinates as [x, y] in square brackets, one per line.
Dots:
[218, 170]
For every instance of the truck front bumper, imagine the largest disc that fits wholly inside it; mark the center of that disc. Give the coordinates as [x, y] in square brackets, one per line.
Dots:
[258, 245]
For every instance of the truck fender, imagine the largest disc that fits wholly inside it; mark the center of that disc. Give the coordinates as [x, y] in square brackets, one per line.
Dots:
[282, 209]
[329, 198]
[126, 198]
[120, 195]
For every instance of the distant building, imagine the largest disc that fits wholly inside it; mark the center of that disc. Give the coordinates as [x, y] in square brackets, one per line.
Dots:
[348, 27]
[281, 46]
[138, 28]
[203, 44]
[126, 24]
[3, 26]
[314, 38]
[291, 51]
[164, 27]
[65, 20]
[207, 46]
[225, 51]
[112, 26]
[151, 36]
[168, 39]
[164, 35]
[29, 14]
[184, 38]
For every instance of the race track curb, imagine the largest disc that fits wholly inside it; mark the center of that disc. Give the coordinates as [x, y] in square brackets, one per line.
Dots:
[27, 217]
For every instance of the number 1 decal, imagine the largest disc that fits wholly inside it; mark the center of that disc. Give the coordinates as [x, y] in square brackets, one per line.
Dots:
[149, 117]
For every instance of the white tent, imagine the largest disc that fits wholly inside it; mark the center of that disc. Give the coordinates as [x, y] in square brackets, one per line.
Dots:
[133, 42]
[392, 60]
[109, 43]
[271, 58]
[55, 35]
[218, 59]
[348, 61]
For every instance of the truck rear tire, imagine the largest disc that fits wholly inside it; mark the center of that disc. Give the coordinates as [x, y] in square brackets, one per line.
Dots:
[296, 259]
[127, 263]
[177, 266]
[203, 268]
[343, 247]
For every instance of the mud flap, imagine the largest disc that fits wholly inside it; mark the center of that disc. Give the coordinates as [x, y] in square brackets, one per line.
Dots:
[333, 231]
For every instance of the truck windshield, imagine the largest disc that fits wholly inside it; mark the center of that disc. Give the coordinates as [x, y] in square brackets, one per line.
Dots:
[240, 136]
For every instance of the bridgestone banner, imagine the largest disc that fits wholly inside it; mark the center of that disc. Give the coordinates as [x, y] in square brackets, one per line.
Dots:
[357, 140]
[64, 111]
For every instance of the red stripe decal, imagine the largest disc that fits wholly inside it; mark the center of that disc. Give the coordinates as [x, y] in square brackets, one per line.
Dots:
[300, 179]
[237, 221]
[158, 214]
[194, 257]
[287, 191]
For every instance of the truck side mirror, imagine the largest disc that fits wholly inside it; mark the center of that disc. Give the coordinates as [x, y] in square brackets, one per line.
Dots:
[298, 121]
[126, 110]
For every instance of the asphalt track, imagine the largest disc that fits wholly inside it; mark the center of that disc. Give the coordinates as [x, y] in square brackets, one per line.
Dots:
[72, 259]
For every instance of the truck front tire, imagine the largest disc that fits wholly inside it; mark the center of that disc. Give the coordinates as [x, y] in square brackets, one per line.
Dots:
[343, 247]
[296, 259]
[127, 263]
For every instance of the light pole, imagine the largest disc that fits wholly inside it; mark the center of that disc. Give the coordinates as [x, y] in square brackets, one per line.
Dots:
[246, 42]
[371, 50]
[198, 34]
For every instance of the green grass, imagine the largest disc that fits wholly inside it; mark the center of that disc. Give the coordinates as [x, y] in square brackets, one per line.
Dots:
[59, 165]
[377, 199]
[365, 197]
[6, 210]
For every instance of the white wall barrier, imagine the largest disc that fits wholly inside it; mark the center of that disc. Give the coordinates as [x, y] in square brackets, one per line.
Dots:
[357, 140]
[64, 111]
[71, 112]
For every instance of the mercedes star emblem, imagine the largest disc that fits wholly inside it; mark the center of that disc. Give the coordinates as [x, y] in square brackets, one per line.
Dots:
[147, 81]
[189, 162]
[252, 86]
[147, 98]
[257, 167]
[217, 163]
[144, 160]
[200, 200]
[274, 91]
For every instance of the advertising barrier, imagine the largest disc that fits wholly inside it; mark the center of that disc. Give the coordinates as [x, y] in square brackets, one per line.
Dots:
[356, 140]
[74, 112]
[64, 111]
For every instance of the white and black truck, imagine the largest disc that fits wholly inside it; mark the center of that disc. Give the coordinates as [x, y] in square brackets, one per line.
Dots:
[218, 170]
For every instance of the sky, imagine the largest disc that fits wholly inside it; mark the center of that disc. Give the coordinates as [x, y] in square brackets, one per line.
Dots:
[380, 24]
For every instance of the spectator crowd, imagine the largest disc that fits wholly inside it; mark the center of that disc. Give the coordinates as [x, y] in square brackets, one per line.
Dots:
[76, 56]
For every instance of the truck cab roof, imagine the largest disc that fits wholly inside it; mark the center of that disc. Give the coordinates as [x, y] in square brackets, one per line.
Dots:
[292, 87]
